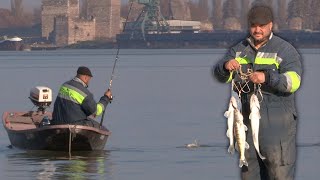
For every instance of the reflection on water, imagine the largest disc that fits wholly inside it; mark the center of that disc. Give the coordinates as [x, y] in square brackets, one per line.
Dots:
[58, 165]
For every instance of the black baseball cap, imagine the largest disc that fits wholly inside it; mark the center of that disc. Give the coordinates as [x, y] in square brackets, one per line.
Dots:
[260, 14]
[84, 71]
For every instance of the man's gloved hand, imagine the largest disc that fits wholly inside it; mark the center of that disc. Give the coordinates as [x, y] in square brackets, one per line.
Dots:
[108, 93]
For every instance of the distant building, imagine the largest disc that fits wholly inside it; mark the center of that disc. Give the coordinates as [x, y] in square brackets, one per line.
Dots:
[69, 30]
[62, 25]
[107, 15]
[54, 8]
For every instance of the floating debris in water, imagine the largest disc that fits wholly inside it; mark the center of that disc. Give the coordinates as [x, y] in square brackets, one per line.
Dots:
[193, 145]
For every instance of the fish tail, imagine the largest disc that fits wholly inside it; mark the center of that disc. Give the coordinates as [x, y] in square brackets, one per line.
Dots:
[243, 162]
[261, 157]
[231, 149]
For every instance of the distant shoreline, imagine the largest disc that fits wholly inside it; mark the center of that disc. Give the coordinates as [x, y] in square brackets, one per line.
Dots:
[196, 41]
[209, 40]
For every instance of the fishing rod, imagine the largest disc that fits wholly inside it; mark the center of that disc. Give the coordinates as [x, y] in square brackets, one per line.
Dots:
[115, 62]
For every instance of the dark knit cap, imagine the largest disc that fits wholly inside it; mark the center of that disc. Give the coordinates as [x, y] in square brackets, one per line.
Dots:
[84, 71]
[260, 14]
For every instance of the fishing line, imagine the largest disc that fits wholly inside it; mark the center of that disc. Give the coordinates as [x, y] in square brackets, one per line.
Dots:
[116, 60]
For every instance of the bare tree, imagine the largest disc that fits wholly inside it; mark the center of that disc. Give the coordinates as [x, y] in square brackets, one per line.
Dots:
[261, 2]
[282, 15]
[244, 13]
[204, 7]
[315, 14]
[296, 8]
[165, 9]
[307, 18]
[231, 15]
[179, 9]
[296, 14]
[230, 9]
[194, 10]
[217, 14]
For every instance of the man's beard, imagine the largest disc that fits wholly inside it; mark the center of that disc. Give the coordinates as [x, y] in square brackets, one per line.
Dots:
[262, 40]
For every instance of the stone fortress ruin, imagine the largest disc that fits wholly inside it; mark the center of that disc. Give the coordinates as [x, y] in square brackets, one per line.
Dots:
[63, 25]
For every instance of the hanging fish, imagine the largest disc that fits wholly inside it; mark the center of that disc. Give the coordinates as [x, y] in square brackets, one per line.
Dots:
[255, 121]
[240, 134]
[230, 115]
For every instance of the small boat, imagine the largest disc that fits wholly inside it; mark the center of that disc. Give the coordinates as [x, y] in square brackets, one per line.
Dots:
[12, 44]
[31, 130]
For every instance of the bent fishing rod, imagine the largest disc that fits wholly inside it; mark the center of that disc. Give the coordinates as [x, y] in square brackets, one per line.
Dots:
[115, 62]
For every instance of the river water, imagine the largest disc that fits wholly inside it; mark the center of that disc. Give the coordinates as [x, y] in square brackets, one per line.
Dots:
[163, 99]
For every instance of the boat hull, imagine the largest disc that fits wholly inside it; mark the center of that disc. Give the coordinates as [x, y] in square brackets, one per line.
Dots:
[26, 132]
[11, 46]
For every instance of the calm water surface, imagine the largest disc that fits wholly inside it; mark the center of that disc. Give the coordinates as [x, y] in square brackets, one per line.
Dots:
[163, 99]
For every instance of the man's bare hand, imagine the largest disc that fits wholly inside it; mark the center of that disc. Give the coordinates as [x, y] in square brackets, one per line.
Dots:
[232, 65]
[108, 93]
[257, 77]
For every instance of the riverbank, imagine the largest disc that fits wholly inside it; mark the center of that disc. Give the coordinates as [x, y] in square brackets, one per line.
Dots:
[212, 40]
[223, 39]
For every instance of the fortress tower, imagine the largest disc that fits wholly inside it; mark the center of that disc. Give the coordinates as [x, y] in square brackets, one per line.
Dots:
[54, 8]
[107, 16]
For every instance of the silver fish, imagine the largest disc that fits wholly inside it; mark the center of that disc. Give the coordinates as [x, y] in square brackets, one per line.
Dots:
[230, 115]
[255, 121]
[240, 135]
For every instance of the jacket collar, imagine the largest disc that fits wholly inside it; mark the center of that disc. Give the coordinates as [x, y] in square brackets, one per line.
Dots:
[251, 41]
[80, 81]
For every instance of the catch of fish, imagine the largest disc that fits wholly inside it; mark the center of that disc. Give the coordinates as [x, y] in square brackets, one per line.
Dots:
[236, 129]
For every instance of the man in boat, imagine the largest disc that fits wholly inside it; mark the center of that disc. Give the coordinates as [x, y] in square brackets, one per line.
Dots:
[266, 60]
[75, 103]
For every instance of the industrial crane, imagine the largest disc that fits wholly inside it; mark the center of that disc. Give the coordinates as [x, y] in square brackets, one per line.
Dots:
[150, 20]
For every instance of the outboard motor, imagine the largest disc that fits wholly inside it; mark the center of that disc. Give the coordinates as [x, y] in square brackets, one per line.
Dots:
[41, 97]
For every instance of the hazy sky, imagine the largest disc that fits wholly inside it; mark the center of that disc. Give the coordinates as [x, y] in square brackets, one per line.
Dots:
[31, 4]
[28, 4]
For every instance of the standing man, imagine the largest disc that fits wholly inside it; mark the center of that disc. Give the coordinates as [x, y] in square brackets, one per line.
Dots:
[276, 66]
[75, 103]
